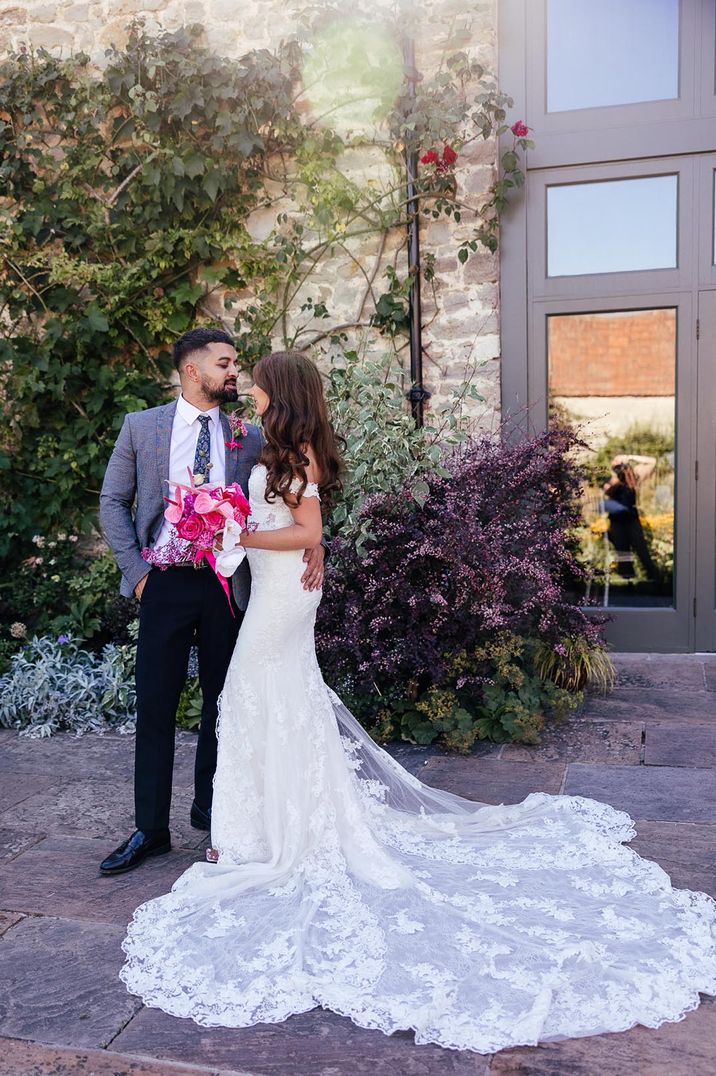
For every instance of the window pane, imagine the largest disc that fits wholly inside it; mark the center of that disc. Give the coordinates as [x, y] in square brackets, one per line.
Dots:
[612, 227]
[611, 52]
[613, 376]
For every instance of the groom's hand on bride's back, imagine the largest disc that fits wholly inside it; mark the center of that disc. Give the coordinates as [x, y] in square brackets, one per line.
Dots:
[312, 578]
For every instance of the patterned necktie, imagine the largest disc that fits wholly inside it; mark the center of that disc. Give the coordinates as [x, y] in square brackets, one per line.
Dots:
[202, 457]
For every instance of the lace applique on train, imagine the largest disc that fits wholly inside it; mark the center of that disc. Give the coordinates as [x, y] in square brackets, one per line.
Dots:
[343, 881]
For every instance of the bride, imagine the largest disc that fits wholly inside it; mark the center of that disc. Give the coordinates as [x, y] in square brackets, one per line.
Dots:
[340, 880]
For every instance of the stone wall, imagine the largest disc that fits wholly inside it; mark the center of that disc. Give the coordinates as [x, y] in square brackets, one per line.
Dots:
[461, 319]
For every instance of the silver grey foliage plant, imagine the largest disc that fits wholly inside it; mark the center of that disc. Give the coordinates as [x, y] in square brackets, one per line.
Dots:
[56, 686]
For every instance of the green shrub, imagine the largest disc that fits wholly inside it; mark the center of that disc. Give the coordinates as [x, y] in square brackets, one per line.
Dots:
[54, 685]
[511, 702]
[63, 587]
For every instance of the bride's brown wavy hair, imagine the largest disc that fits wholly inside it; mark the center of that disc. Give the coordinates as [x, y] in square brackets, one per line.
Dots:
[295, 418]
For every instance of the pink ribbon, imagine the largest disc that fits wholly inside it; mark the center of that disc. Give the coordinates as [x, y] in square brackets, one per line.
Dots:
[222, 579]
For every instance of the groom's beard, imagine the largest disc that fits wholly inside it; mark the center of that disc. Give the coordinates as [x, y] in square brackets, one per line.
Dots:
[220, 394]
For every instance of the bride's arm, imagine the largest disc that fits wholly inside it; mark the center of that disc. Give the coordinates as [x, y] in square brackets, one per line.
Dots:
[305, 531]
[307, 528]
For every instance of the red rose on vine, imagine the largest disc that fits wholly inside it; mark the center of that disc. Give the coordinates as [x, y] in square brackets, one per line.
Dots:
[520, 129]
[430, 157]
[442, 164]
[449, 157]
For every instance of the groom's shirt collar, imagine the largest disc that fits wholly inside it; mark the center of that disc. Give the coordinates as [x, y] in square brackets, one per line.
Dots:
[189, 413]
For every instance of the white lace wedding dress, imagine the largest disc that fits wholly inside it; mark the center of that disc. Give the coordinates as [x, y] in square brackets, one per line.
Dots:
[345, 882]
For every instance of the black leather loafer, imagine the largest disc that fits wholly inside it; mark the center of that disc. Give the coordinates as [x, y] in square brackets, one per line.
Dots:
[199, 818]
[135, 850]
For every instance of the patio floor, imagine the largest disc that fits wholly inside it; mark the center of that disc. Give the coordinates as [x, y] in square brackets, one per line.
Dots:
[649, 749]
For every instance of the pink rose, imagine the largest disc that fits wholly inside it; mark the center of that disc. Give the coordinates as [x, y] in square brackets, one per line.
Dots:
[214, 520]
[430, 157]
[238, 500]
[190, 529]
[520, 129]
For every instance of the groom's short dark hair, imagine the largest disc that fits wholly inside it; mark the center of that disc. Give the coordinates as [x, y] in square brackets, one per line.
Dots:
[195, 340]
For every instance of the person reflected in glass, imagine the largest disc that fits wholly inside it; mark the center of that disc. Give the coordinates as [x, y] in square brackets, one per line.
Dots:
[620, 502]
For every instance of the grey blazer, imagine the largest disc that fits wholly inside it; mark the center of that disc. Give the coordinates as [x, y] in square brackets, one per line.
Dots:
[131, 504]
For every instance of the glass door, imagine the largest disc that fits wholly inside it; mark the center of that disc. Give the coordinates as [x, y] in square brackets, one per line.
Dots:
[621, 374]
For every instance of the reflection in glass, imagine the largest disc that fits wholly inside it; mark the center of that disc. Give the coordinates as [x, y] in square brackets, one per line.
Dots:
[613, 226]
[614, 52]
[613, 376]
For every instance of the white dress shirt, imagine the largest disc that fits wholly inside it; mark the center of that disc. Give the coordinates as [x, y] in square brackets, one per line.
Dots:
[185, 434]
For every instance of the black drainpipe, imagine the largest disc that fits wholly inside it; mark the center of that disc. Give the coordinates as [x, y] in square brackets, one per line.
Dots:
[417, 394]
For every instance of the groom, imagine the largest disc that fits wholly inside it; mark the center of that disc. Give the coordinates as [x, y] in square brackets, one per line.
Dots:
[178, 606]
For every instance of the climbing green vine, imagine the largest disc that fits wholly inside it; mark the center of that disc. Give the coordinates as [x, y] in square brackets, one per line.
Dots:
[129, 198]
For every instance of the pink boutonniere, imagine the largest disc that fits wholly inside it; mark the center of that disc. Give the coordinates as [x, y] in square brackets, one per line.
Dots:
[237, 429]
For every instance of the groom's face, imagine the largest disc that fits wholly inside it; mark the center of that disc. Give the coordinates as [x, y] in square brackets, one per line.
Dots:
[214, 371]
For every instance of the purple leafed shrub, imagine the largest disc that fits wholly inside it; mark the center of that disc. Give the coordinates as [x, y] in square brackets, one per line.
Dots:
[489, 554]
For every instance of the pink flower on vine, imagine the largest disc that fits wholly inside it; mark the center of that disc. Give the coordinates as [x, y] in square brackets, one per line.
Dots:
[520, 129]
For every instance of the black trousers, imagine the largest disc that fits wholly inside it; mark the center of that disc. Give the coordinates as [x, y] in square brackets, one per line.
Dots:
[179, 607]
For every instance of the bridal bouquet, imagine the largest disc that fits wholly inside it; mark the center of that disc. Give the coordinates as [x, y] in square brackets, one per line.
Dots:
[208, 522]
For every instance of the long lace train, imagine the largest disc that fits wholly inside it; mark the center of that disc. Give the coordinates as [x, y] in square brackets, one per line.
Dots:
[343, 881]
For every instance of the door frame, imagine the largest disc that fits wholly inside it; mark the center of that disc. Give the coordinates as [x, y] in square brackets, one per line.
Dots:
[657, 628]
[705, 560]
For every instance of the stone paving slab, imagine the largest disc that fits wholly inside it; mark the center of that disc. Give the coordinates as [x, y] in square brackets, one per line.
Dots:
[89, 757]
[316, 1043]
[651, 704]
[8, 920]
[668, 744]
[414, 758]
[12, 843]
[710, 677]
[62, 985]
[60, 877]
[85, 807]
[660, 670]
[92, 808]
[489, 780]
[684, 849]
[614, 742]
[18, 1057]
[685, 1048]
[67, 755]
[16, 787]
[670, 793]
